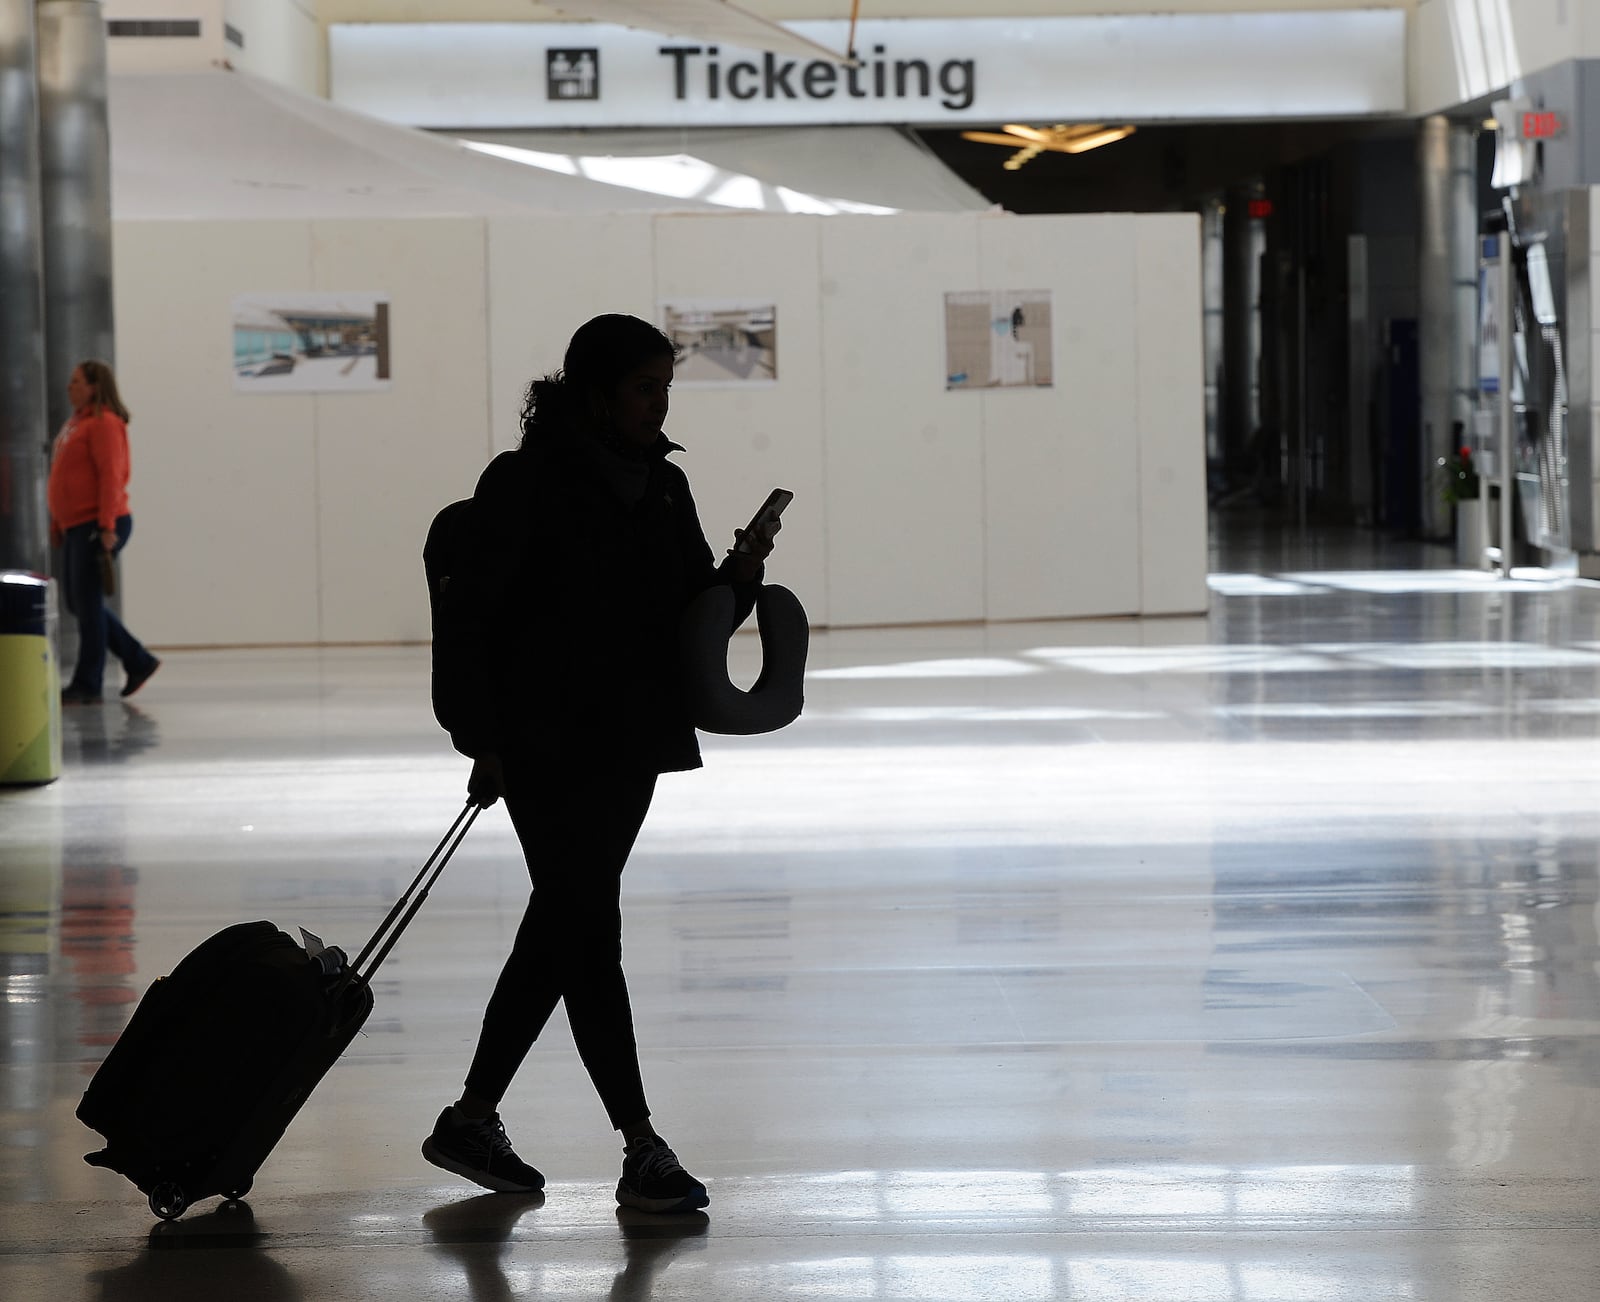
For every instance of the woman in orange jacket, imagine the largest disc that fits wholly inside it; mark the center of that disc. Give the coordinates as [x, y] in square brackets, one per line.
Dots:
[89, 519]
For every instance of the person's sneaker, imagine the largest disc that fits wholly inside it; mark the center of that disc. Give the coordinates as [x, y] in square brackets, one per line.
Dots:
[480, 1151]
[653, 1180]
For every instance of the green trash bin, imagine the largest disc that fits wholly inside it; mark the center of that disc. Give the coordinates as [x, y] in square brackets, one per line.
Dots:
[30, 681]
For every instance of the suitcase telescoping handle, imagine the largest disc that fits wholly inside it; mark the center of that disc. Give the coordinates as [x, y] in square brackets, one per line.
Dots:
[405, 908]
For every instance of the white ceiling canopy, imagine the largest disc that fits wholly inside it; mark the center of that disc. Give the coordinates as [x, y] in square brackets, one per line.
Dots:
[705, 20]
[217, 145]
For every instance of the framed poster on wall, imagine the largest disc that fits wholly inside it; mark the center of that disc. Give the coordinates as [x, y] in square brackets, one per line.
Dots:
[723, 343]
[311, 342]
[998, 339]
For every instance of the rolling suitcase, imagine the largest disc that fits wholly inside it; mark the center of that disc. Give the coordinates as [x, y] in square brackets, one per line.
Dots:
[218, 1057]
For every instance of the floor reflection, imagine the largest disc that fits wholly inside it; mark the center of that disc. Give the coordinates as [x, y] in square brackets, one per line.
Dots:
[650, 1244]
[476, 1234]
[112, 733]
[207, 1255]
[1246, 958]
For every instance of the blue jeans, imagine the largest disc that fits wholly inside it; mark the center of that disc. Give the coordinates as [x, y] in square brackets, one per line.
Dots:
[98, 628]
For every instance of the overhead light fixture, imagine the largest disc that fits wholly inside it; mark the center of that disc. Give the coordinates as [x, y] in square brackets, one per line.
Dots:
[1030, 142]
[1109, 136]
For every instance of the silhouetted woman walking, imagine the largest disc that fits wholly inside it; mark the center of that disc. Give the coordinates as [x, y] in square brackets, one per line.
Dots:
[584, 550]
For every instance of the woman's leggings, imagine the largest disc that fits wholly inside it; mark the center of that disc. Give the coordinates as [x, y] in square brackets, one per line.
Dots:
[576, 830]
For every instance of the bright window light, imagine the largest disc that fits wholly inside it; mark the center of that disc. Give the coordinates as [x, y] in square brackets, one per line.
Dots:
[974, 668]
[1384, 581]
[676, 175]
[1307, 1284]
[1387, 581]
[960, 1277]
[1485, 45]
[1573, 707]
[1310, 657]
[1356, 710]
[980, 714]
[794, 201]
[1459, 655]
[1254, 585]
[992, 1193]
[735, 191]
[530, 157]
[1243, 659]
[1291, 1192]
[680, 176]
[1102, 1279]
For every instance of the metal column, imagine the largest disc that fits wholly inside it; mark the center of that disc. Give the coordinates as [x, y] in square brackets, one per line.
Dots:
[1496, 424]
[1211, 224]
[1359, 486]
[1436, 334]
[1505, 410]
[1463, 279]
[75, 162]
[1240, 273]
[24, 526]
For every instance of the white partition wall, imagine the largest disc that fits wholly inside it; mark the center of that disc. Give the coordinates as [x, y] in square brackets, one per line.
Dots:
[387, 461]
[904, 458]
[224, 492]
[1061, 465]
[292, 519]
[1171, 417]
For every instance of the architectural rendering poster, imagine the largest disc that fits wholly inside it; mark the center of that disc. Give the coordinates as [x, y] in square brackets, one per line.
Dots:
[998, 339]
[311, 342]
[722, 342]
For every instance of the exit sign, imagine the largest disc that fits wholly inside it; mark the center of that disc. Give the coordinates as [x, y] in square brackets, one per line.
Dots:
[1542, 126]
[1260, 209]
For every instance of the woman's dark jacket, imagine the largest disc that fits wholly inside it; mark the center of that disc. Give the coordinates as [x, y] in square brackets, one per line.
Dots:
[564, 605]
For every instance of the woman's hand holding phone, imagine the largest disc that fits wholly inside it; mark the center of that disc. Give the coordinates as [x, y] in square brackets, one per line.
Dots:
[754, 543]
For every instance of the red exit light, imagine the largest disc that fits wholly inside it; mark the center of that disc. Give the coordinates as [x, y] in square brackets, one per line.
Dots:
[1260, 209]
[1541, 126]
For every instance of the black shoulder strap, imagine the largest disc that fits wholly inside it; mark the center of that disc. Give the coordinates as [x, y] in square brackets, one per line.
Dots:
[442, 548]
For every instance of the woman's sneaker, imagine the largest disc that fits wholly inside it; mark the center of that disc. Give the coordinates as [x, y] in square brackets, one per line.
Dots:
[480, 1151]
[653, 1180]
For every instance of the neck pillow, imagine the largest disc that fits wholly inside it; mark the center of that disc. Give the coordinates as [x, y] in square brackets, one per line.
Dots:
[715, 704]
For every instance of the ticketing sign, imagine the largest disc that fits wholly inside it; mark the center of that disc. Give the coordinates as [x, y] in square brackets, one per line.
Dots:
[1144, 67]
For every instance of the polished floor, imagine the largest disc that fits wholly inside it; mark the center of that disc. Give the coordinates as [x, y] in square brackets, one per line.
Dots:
[1250, 958]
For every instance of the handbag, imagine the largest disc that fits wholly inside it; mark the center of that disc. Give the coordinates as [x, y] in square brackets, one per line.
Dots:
[108, 573]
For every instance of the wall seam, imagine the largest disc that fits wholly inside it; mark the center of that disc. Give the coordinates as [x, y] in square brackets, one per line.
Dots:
[985, 604]
[822, 414]
[485, 241]
[316, 460]
[1138, 414]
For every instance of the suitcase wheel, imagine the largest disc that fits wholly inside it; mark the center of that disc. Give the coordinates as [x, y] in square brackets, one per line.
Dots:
[167, 1200]
[239, 1192]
